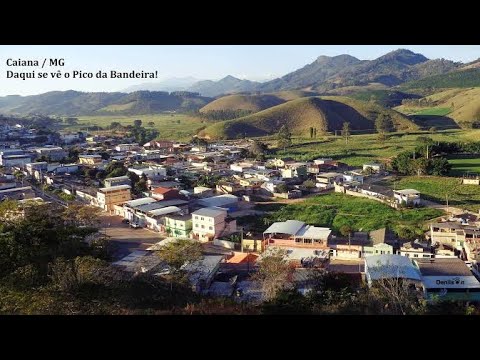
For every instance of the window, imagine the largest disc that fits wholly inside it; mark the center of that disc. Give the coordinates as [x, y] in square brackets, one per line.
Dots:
[196, 217]
[210, 228]
[196, 225]
[203, 226]
[201, 218]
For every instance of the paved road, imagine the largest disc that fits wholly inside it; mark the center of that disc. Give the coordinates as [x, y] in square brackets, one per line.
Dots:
[125, 238]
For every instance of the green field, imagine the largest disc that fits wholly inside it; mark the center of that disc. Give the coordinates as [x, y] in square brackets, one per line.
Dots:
[365, 148]
[434, 111]
[337, 210]
[170, 126]
[437, 188]
[466, 165]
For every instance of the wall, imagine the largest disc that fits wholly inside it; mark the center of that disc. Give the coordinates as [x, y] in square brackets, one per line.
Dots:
[224, 243]
[471, 181]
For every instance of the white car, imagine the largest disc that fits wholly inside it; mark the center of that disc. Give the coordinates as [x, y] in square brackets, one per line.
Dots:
[135, 225]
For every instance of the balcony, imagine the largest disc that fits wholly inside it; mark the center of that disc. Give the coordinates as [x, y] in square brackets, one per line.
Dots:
[309, 244]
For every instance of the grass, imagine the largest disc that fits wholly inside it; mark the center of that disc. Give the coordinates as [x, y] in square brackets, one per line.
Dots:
[337, 210]
[460, 166]
[434, 111]
[436, 189]
[364, 148]
[170, 126]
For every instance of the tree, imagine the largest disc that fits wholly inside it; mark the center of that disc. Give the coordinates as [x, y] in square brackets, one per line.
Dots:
[71, 121]
[284, 137]
[19, 176]
[315, 133]
[383, 123]
[311, 133]
[137, 123]
[346, 230]
[439, 166]
[115, 125]
[273, 272]
[309, 184]
[151, 124]
[258, 150]
[346, 131]
[282, 188]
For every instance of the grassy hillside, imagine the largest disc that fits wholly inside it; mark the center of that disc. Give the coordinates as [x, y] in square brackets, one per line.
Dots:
[460, 105]
[456, 79]
[253, 103]
[288, 95]
[324, 113]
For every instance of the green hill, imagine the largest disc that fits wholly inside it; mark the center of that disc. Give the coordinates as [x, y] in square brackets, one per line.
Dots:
[252, 103]
[460, 106]
[325, 113]
[456, 79]
[75, 103]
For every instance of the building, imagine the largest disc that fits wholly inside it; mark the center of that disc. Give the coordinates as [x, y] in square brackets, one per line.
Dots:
[378, 249]
[87, 159]
[53, 153]
[226, 201]
[7, 182]
[159, 144]
[162, 193]
[211, 223]
[327, 180]
[295, 169]
[178, 225]
[138, 213]
[151, 172]
[374, 167]
[32, 168]
[453, 233]
[126, 147]
[300, 240]
[9, 161]
[323, 161]
[154, 219]
[18, 193]
[107, 198]
[202, 272]
[116, 181]
[228, 187]
[202, 191]
[380, 267]
[415, 251]
[409, 197]
[448, 279]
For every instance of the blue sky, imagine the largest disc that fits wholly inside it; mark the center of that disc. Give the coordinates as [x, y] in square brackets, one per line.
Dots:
[254, 62]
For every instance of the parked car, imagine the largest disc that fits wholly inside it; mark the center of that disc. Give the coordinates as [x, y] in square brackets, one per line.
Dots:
[135, 225]
[126, 221]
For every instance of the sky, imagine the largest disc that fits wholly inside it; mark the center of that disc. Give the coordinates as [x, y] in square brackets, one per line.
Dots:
[253, 62]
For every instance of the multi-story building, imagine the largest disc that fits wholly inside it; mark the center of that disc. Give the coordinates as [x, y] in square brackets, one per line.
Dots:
[178, 225]
[54, 153]
[115, 181]
[453, 233]
[211, 223]
[409, 197]
[107, 198]
[126, 147]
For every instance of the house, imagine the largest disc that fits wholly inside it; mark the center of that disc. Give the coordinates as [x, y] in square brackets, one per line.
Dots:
[414, 251]
[211, 223]
[54, 153]
[294, 169]
[87, 159]
[471, 180]
[323, 161]
[378, 249]
[251, 182]
[453, 233]
[352, 176]
[10, 161]
[159, 144]
[448, 279]
[33, 168]
[178, 225]
[380, 267]
[63, 168]
[115, 195]
[162, 193]
[126, 147]
[409, 197]
[279, 163]
[17, 193]
[374, 167]
[7, 160]
[271, 186]
[154, 220]
[137, 211]
[7, 182]
[129, 206]
[226, 201]
[115, 181]
[203, 191]
[241, 167]
[151, 172]
[202, 272]
[296, 234]
[327, 180]
[226, 187]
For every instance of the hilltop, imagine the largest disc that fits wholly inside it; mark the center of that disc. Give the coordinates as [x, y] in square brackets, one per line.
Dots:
[227, 85]
[75, 103]
[253, 103]
[325, 113]
[468, 77]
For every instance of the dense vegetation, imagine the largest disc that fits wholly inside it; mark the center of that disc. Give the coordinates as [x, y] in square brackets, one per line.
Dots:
[457, 79]
[337, 210]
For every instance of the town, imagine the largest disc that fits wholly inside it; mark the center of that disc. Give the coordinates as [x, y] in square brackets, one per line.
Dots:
[236, 204]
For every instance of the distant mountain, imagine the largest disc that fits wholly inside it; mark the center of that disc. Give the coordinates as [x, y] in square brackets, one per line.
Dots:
[324, 113]
[75, 103]
[171, 84]
[312, 74]
[227, 85]
[454, 79]
[327, 73]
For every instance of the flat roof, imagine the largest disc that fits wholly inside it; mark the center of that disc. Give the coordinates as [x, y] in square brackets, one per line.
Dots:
[142, 201]
[391, 266]
[313, 232]
[125, 177]
[25, 188]
[290, 227]
[212, 212]
[329, 174]
[164, 211]
[443, 267]
[113, 188]
[159, 205]
[89, 156]
[218, 200]
[407, 192]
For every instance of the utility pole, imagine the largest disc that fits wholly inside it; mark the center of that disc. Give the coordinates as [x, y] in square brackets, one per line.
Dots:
[446, 196]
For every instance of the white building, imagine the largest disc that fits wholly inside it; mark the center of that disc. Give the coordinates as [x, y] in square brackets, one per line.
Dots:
[125, 147]
[151, 172]
[408, 197]
[210, 223]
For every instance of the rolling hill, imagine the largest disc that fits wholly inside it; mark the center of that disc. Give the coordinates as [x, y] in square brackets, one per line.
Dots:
[325, 113]
[253, 103]
[227, 85]
[459, 105]
[75, 103]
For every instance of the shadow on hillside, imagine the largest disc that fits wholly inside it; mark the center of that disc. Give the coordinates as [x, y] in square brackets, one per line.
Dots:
[341, 112]
[440, 122]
